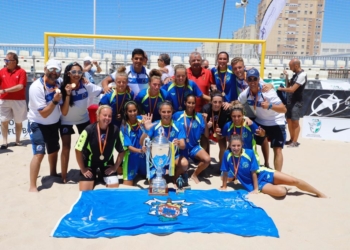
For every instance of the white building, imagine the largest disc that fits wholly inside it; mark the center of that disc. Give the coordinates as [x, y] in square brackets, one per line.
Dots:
[249, 33]
[335, 48]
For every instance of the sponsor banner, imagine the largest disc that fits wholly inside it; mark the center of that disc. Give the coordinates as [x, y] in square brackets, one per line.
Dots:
[326, 128]
[326, 103]
[12, 130]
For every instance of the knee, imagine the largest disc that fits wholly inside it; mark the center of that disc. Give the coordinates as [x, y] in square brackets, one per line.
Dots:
[206, 159]
[281, 191]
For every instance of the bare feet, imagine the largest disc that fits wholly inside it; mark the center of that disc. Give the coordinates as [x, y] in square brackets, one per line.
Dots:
[33, 190]
[195, 178]
[321, 195]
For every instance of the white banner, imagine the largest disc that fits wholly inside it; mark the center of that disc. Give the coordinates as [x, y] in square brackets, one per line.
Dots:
[326, 128]
[12, 130]
[271, 14]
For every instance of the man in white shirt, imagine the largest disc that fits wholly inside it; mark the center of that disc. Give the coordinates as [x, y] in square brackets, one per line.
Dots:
[138, 75]
[43, 118]
[294, 88]
[269, 112]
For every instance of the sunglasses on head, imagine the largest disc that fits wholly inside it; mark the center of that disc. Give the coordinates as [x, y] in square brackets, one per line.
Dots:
[76, 72]
[160, 60]
[252, 79]
[205, 67]
[54, 69]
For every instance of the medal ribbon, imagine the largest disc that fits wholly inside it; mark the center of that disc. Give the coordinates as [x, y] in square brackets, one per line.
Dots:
[102, 148]
[223, 85]
[132, 126]
[234, 129]
[151, 110]
[235, 167]
[255, 99]
[212, 115]
[116, 101]
[45, 87]
[180, 100]
[169, 129]
[189, 128]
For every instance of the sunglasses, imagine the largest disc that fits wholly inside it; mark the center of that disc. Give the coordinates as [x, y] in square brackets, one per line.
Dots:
[205, 67]
[160, 60]
[76, 72]
[7, 60]
[54, 69]
[252, 79]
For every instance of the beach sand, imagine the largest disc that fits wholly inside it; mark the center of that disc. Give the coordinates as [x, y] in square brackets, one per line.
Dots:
[303, 221]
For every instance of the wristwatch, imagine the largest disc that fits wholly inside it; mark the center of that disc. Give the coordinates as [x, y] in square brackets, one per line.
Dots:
[54, 102]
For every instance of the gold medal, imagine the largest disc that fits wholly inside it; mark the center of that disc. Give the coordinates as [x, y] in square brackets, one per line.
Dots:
[223, 93]
[102, 147]
[187, 140]
[214, 135]
[102, 157]
[235, 181]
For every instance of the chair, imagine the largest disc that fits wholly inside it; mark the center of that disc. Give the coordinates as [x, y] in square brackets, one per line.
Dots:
[323, 75]
[37, 54]
[311, 74]
[60, 54]
[108, 56]
[154, 59]
[83, 55]
[341, 64]
[177, 60]
[330, 64]
[73, 55]
[96, 56]
[24, 53]
[276, 62]
[254, 61]
[13, 51]
[267, 61]
[308, 63]
[2, 53]
[319, 63]
[120, 58]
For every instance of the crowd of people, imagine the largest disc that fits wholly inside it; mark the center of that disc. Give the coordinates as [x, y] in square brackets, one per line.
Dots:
[193, 107]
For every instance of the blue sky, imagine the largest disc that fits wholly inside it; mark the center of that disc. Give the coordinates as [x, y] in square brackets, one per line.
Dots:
[25, 21]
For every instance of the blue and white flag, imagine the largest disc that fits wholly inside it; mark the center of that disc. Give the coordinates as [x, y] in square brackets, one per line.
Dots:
[112, 213]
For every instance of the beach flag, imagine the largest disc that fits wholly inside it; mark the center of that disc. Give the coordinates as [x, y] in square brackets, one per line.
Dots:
[120, 212]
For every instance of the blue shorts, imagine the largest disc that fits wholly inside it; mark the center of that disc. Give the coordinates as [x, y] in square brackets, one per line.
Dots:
[133, 164]
[230, 174]
[265, 175]
[44, 137]
[191, 153]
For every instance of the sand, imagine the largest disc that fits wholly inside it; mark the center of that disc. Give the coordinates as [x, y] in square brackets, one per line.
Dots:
[303, 221]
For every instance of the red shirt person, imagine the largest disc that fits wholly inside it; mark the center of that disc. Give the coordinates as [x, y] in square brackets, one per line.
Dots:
[13, 80]
[201, 76]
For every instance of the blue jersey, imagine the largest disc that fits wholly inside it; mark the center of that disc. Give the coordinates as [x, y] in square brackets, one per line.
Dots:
[176, 131]
[247, 165]
[111, 100]
[176, 94]
[197, 128]
[247, 133]
[229, 84]
[147, 103]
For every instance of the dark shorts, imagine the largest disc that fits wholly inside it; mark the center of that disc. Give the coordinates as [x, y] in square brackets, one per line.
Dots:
[44, 136]
[294, 111]
[68, 129]
[276, 135]
[93, 169]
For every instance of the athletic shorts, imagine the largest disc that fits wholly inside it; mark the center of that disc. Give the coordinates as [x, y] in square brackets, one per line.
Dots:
[230, 174]
[133, 164]
[265, 175]
[276, 135]
[68, 129]
[191, 153]
[13, 109]
[109, 179]
[44, 136]
[294, 111]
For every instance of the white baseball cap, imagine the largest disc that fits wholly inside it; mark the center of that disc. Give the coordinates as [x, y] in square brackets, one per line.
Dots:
[87, 58]
[54, 64]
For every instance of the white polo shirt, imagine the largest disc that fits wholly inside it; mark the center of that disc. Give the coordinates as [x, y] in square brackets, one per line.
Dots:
[263, 116]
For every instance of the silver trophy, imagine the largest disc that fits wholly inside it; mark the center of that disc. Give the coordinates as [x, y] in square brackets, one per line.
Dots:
[158, 155]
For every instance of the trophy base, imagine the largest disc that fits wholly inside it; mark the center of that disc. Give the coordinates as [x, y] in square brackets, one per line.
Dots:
[182, 190]
[150, 192]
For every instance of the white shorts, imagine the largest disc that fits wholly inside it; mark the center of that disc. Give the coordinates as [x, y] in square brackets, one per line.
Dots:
[13, 109]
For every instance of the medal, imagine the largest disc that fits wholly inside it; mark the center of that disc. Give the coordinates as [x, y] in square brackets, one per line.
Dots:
[180, 108]
[102, 147]
[223, 93]
[187, 140]
[187, 129]
[214, 135]
[235, 167]
[235, 181]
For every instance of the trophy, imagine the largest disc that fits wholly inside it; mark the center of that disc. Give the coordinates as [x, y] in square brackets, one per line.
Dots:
[160, 152]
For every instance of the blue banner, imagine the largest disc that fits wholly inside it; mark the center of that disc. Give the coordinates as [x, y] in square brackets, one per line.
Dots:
[118, 212]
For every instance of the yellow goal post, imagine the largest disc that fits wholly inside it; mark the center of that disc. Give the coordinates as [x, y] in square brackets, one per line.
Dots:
[140, 39]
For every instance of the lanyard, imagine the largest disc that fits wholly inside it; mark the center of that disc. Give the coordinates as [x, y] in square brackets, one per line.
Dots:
[189, 128]
[102, 147]
[234, 129]
[151, 110]
[168, 131]
[222, 83]
[217, 122]
[179, 99]
[255, 99]
[235, 167]
[116, 101]
[45, 87]
[132, 126]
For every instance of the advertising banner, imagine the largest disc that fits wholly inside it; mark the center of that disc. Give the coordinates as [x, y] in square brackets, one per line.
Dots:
[326, 128]
[12, 130]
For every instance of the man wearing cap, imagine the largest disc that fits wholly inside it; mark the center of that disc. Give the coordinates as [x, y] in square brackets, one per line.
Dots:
[13, 81]
[43, 119]
[89, 70]
[269, 111]
[138, 75]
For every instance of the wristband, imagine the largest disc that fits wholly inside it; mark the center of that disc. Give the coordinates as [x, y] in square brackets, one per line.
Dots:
[54, 102]
[270, 106]
[4, 90]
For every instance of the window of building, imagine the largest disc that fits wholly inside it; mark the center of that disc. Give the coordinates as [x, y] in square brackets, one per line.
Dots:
[302, 53]
[341, 50]
[305, 12]
[348, 50]
[279, 32]
[302, 46]
[279, 39]
[310, 12]
[303, 39]
[307, 53]
[333, 50]
[279, 25]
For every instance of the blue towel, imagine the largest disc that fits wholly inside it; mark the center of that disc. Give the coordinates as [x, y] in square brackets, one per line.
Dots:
[117, 212]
